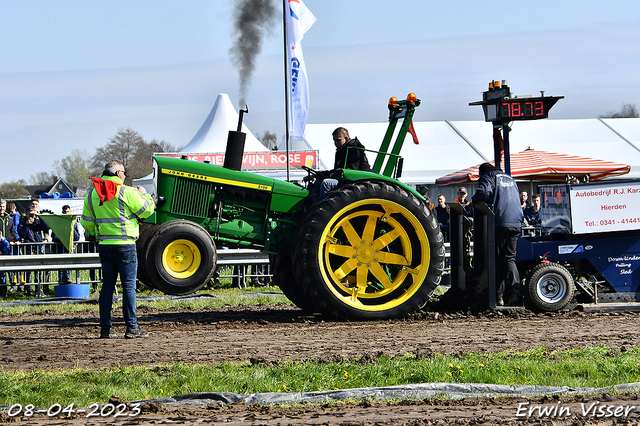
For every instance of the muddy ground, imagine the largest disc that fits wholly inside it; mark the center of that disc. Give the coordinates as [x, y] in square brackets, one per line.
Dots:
[51, 341]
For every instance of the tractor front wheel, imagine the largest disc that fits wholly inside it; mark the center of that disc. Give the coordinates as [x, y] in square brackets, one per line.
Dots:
[179, 258]
[141, 246]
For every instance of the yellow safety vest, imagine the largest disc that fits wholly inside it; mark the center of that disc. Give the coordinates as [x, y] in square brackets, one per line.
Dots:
[116, 220]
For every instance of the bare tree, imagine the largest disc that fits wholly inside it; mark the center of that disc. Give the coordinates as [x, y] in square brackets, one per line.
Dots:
[129, 147]
[627, 111]
[144, 164]
[122, 147]
[14, 189]
[75, 168]
[42, 178]
[269, 140]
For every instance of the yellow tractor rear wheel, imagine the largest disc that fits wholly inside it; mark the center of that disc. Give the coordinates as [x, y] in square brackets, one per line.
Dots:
[369, 250]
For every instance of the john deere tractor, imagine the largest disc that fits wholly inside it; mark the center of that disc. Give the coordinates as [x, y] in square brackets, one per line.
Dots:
[368, 249]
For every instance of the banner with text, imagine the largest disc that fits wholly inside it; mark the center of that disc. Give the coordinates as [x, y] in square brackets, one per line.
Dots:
[257, 160]
[605, 207]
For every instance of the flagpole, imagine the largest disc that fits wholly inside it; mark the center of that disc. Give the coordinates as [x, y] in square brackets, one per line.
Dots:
[286, 81]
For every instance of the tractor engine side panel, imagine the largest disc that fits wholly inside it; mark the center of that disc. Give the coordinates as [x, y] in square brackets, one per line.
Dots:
[239, 215]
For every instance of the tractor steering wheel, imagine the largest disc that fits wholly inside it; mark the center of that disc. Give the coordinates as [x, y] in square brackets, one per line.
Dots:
[309, 170]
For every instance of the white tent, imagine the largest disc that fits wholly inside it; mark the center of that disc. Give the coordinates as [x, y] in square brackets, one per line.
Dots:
[212, 136]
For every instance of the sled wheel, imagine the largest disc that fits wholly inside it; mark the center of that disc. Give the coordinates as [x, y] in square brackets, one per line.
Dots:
[141, 246]
[284, 278]
[370, 250]
[550, 286]
[180, 257]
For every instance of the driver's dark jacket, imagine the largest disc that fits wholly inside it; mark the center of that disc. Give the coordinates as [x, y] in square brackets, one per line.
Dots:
[356, 159]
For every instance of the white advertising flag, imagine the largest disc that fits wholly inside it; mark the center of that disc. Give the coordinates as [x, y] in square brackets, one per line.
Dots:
[299, 20]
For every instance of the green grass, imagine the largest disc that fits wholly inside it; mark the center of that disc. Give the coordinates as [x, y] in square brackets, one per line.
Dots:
[224, 297]
[593, 367]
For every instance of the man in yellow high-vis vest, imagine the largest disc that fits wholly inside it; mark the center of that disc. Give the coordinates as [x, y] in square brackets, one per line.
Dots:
[111, 212]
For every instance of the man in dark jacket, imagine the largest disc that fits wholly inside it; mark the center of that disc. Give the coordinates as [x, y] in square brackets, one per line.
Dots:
[349, 155]
[443, 216]
[32, 229]
[499, 190]
[349, 152]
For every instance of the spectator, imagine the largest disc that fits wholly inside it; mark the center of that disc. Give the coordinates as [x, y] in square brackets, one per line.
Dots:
[33, 230]
[423, 190]
[442, 214]
[524, 200]
[467, 226]
[7, 227]
[8, 233]
[427, 201]
[34, 204]
[15, 216]
[499, 190]
[5, 247]
[532, 214]
[467, 207]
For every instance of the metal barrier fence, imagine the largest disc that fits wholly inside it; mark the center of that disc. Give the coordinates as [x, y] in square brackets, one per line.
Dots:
[38, 264]
[41, 264]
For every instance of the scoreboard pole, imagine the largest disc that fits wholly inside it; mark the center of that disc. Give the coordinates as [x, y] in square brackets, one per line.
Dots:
[507, 151]
[497, 145]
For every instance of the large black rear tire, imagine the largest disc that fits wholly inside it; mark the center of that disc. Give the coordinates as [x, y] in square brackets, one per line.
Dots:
[180, 257]
[369, 250]
[282, 267]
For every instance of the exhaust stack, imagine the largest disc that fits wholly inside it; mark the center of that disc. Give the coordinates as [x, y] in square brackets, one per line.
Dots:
[235, 145]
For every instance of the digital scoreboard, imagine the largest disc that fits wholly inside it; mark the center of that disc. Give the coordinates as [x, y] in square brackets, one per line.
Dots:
[520, 109]
[500, 107]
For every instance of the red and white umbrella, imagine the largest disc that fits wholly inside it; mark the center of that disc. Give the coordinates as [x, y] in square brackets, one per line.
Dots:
[541, 165]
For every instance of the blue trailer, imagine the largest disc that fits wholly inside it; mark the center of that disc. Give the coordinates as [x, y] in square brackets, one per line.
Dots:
[587, 249]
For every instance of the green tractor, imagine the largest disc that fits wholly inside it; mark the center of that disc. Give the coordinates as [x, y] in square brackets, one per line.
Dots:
[368, 249]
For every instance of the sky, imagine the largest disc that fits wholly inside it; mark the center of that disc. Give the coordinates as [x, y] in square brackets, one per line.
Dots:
[73, 72]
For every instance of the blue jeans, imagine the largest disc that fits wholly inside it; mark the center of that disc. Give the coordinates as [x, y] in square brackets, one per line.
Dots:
[118, 259]
[322, 186]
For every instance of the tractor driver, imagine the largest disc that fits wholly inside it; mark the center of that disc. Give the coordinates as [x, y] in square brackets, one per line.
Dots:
[346, 158]
[350, 154]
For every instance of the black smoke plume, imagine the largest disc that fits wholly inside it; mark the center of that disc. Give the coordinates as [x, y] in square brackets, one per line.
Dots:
[254, 19]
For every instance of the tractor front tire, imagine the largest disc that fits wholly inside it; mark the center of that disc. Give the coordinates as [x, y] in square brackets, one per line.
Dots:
[179, 258]
[141, 246]
[369, 250]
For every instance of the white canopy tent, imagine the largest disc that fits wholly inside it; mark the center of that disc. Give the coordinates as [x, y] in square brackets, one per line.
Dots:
[212, 136]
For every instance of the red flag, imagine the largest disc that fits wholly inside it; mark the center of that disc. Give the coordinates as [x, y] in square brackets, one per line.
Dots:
[413, 133]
